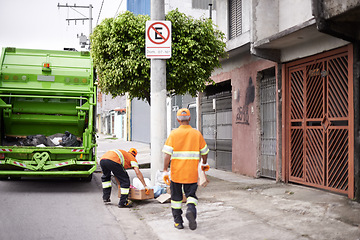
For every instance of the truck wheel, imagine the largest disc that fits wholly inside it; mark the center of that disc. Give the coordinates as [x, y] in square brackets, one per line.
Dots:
[87, 179]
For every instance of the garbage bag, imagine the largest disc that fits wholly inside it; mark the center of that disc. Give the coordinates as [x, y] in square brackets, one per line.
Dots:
[138, 185]
[69, 140]
[55, 139]
[158, 190]
[33, 140]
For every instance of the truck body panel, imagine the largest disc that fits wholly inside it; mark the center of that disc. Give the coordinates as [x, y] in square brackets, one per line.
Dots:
[47, 95]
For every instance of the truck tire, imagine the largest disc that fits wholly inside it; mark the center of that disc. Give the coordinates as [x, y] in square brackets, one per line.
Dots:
[87, 179]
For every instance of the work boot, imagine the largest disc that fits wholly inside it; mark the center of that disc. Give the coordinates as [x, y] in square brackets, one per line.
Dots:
[179, 225]
[191, 218]
[127, 204]
[107, 200]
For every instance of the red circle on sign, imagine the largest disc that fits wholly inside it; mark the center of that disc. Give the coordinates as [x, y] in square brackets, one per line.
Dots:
[164, 39]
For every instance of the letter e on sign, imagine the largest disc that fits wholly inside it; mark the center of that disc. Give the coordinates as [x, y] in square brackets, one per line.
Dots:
[158, 39]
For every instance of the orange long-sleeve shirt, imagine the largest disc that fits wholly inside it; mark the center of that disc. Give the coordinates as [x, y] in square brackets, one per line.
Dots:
[185, 145]
[122, 157]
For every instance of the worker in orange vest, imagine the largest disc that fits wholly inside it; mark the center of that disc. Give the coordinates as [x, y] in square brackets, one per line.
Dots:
[184, 147]
[117, 161]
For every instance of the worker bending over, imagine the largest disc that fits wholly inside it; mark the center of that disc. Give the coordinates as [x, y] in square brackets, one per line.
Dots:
[117, 161]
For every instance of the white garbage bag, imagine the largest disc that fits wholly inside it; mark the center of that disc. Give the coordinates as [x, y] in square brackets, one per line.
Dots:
[138, 185]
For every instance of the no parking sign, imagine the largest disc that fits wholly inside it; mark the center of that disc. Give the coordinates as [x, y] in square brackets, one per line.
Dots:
[158, 39]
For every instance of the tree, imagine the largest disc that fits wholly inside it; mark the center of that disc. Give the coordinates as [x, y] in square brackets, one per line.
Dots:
[118, 52]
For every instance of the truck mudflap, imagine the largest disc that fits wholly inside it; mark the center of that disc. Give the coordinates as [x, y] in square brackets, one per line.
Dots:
[42, 165]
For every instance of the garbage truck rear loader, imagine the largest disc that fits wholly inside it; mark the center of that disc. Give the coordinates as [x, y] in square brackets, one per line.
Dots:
[47, 104]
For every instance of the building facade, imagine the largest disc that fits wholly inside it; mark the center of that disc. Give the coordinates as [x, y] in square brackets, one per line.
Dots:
[292, 81]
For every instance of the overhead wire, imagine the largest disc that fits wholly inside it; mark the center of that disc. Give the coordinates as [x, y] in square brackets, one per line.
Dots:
[100, 12]
[118, 9]
[77, 11]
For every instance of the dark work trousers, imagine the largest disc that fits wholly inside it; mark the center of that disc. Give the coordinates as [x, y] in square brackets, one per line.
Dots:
[120, 173]
[177, 195]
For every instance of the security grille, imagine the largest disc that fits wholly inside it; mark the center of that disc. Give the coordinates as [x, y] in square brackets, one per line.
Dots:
[235, 18]
[320, 123]
[268, 127]
[217, 129]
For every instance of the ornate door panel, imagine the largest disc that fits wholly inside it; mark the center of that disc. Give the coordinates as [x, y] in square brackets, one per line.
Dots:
[320, 121]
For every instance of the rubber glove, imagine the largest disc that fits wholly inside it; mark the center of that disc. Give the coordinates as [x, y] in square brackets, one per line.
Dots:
[147, 190]
[166, 178]
[205, 167]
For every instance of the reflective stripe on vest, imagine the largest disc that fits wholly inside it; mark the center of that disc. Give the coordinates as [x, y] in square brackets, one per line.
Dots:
[204, 150]
[192, 200]
[106, 184]
[124, 191]
[176, 204]
[121, 157]
[167, 149]
[134, 164]
[186, 155]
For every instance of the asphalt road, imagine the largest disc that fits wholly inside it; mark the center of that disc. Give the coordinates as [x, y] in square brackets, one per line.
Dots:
[36, 209]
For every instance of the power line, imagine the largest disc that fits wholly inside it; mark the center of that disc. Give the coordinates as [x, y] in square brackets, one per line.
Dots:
[99, 12]
[77, 11]
[118, 9]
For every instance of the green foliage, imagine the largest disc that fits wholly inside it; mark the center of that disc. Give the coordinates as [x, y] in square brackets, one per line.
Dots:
[118, 52]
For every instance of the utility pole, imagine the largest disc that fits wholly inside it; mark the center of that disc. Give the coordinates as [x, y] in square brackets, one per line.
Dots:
[83, 41]
[158, 99]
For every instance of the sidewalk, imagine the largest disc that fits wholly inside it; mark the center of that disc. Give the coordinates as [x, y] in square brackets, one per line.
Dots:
[238, 207]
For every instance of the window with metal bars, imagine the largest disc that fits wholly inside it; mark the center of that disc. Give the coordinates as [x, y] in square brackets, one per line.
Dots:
[235, 18]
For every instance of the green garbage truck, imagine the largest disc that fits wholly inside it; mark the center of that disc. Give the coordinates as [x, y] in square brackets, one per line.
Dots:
[47, 108]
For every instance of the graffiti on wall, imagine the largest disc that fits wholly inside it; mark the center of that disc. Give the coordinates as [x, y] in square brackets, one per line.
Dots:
[242, 116]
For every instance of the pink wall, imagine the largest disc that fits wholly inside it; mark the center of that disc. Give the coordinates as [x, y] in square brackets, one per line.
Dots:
[245, 115]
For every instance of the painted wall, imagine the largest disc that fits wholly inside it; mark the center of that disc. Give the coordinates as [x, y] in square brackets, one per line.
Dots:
[294, 12]
[185, 6]
[321, 44]
[245, 116]
[273, 16]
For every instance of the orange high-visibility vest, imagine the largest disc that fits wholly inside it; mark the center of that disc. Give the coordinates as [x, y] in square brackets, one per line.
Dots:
[122, 157]
[185, 145]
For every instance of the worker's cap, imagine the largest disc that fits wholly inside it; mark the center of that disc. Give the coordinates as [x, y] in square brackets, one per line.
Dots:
[133, 151]
[183, 114]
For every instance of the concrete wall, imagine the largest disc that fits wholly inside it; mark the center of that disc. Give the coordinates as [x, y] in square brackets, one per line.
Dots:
[293, 12]
[273, 16]
[320, 44]
[185, 6]
[333, 8]
[265, 18]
